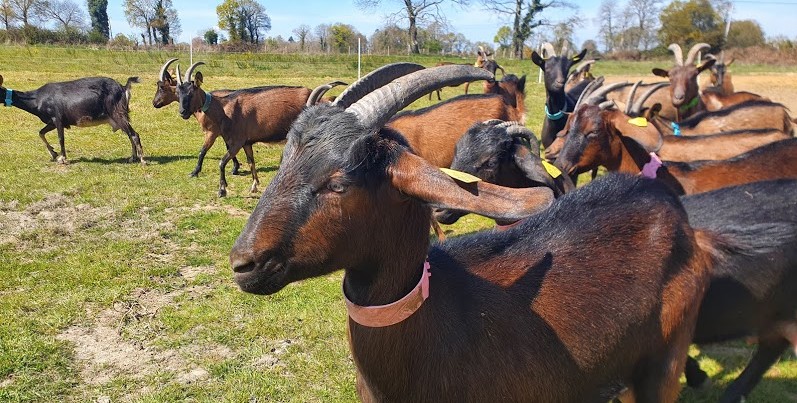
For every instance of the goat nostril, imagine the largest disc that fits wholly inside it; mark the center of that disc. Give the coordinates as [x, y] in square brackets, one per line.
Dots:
[241, 264]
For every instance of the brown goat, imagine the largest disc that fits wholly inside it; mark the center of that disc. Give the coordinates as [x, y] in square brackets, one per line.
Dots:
[546, 323]
[719, 79]
[754, 114]
[484, 60]
[433, 131]
[715, 101]
[242, 117]
[585, 149]
[684, 91]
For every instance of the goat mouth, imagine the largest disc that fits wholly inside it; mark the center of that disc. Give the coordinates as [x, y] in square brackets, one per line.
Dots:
[446, 217]
[262, 278]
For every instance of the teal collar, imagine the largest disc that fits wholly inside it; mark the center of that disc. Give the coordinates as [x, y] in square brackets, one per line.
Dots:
[690, 105]
[9, 91]
[555, 116]
[206, 105]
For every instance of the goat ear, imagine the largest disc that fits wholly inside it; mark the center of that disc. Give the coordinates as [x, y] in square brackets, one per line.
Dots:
[1, 80]
[537, 59]
[705, 65]
[661, 72]
[417, 178]
[521, 84]
[577, 58]
[198, 78]
[531, 166]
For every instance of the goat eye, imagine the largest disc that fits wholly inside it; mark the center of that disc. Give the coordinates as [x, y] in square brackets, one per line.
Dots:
[336, 187]
[592, 135]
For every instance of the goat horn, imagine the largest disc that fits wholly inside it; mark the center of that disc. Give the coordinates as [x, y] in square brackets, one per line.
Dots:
[374, 80]
[637, 108]
[678, 53]
[163, 73]
[606, 104]
[548, 50]
[565, 49]
[690, 58]
[376, 108]
[601, 92]
[319, 91]
[630, 99]
[191, 71]
[584, 65]
[179, 77]
[588, 89]
[722, 57]
[493, 122]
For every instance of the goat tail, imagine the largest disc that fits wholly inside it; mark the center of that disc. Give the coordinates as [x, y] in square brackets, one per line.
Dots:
[128, 85]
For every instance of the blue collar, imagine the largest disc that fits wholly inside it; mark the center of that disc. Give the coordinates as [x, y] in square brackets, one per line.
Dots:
[9, 91]
[676, 128]
[557, 115]
[206, 105]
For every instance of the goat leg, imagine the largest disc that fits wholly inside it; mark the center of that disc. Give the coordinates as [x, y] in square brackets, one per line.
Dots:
[62, 158]
[767, 353]
[222, 177]
[137, 152]
[46, 129]
[250, 158]
[695, 377]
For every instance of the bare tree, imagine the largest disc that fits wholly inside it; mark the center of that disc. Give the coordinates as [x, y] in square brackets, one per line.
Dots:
[7, 13]
[65, 13]
[25, 10]
[302, 33]
[322, 33]
[607, 21]
[526, 16]
[643, 22]
[415, 11]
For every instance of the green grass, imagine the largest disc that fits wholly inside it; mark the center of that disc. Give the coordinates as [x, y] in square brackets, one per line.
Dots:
[134, 259]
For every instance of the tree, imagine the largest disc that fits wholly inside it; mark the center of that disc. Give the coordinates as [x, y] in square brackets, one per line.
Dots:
[526, 16]
[641, 16]
[66, 14]
[302, 32]
[689, 22]
[322, 33]
[211, 37]
[166, 22]
[25, 10]
[416, 12]
[607, 20]
[745, 33]
[343, 37]
[7, 13]
[389, 38]
[141, 14]
[98, 12]
[503, 37]
[245, 20]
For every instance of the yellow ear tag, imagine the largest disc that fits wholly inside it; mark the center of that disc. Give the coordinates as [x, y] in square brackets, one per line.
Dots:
[460, 176]
[552, 170]
[640, 121]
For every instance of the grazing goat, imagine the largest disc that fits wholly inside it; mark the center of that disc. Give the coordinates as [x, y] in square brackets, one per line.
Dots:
[242, 117]
[166, 93]
[558, 103]
[719, 78]
[546, 323]
[504, 154]
[83, 102]
[434, 131]
[752, 289]
[684, 91]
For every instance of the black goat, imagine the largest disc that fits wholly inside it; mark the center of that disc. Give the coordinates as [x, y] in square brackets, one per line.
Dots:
[83, 102]
[505, 154]
[752, 291]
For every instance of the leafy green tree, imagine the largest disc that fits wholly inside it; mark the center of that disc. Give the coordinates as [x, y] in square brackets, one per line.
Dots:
[745, 33]
[211, 37]
[244, 20]
[98, 11]
[689, 22]
[503, 37]
[526, 16]
[343, 37]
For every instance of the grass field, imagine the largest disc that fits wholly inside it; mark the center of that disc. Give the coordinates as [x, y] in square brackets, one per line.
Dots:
[114, 278]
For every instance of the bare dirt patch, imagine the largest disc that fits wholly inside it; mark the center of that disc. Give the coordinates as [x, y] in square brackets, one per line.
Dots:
[211, 208]
[273, 358]
[190, 273]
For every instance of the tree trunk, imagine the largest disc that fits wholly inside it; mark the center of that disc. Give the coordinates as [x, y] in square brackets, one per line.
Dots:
[413, 36]
[517, 42]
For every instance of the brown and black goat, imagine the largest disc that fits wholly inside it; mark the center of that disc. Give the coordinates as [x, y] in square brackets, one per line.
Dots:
[166, 93]
[546, 323]
[558, 102]
[580, 73]
[242, 117]
[684, 91]
[83, 102]
[747, 115]
[595, 140]
[719, 79]
[484, 59]
[505, 154]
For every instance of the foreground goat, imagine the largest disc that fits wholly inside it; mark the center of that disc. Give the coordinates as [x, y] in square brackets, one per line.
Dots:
[517, 305]
[83, 102]
[166, 93]
[752, 291]
[242, 117]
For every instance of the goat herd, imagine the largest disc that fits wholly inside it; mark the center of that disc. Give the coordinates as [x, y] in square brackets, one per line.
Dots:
[585, 294]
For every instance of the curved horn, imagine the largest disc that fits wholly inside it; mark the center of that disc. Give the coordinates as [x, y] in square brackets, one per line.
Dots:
[678, 53]
[376, 108]
[690, 58]
[163, 73]
[584, 65]
[637, 108]
[606, 104]
[601, 92]
[548, 50]
[631, 97]
[493, 122]
[191, 71]
[588, 89]
[319, 91]
[179, 77]
[374, 80]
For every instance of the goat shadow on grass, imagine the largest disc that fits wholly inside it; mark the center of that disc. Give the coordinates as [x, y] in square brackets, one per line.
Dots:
[733, 357]
[165, 159]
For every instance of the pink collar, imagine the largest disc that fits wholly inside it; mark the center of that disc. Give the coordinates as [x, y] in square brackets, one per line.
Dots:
[650, 168]
[390, 314]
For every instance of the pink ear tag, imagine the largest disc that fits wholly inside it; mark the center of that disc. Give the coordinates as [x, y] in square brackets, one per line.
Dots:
[650, 168]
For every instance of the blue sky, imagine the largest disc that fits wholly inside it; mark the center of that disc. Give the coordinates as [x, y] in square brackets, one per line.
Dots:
[775, 16]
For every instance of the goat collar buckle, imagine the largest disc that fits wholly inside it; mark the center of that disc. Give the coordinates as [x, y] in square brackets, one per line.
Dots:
[650, 168]
[8, 101]
[393, 313]
[555, 116]
[206, 105]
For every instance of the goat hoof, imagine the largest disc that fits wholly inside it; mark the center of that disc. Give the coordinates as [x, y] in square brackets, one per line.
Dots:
[253, 189]
[193, 174]
[222, 193]
[61, 160]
